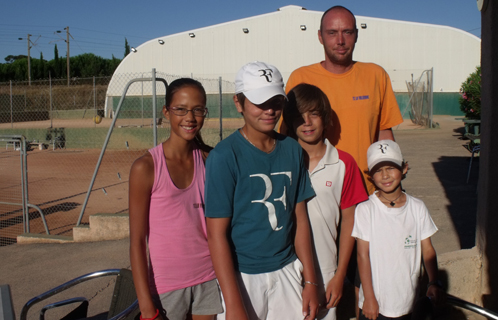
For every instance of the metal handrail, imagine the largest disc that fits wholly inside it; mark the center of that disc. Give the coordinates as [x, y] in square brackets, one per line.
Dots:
[69, 284]
[29, 205]
[60, 304]
[472, 307]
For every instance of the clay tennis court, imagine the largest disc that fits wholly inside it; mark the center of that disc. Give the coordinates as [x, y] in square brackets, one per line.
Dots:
[58, 180]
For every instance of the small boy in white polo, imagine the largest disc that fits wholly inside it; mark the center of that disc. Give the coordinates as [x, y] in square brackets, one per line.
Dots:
[393, 233]
[258, 229]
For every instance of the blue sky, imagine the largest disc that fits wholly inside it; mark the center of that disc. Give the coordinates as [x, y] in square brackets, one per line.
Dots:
[100, 27]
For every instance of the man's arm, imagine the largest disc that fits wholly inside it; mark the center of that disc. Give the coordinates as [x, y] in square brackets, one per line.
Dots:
[302, 243]
[370, 305]
[386, 134]
[346, 244]
[221, 255]
[293, 81]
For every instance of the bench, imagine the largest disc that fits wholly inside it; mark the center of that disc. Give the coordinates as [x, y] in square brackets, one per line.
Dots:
[474, 147]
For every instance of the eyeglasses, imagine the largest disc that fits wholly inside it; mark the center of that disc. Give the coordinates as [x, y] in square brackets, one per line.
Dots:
[197, 112]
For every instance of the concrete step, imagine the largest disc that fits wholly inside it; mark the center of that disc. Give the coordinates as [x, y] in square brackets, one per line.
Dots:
[27, 238]
[102, 226]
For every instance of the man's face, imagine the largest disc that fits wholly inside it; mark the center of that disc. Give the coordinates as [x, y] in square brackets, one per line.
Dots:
[338, 36]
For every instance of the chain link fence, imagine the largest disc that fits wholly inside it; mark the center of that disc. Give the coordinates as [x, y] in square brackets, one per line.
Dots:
[421, 99]
[65, 128]
[11, 192]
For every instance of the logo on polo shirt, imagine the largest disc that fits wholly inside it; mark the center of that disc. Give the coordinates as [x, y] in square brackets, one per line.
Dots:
[361, 98]
[328, 183]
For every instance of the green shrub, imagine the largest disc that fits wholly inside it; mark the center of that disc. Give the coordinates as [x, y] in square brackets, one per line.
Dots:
[470, 100]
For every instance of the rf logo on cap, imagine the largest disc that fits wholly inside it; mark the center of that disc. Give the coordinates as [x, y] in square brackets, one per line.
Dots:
[267, 73]
[389, 151]
[383, 148]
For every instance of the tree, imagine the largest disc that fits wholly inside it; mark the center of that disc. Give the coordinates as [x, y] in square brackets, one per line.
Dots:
[57, 64]
[85, 65]
[20, 68]
[41, 68]
[10, 58]
[113, 64]
[127, 48]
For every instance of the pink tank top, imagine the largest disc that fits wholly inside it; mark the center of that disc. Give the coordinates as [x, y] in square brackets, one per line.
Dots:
[178, 249]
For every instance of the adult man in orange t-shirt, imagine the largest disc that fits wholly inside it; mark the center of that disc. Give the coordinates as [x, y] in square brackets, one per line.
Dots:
[360, 93]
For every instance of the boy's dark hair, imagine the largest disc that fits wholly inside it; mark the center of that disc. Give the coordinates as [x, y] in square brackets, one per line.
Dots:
[177, 84]
[303, 98]
[241, 98]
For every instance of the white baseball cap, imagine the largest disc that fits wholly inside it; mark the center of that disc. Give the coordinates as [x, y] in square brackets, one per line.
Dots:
[259, 82]
[384, 150]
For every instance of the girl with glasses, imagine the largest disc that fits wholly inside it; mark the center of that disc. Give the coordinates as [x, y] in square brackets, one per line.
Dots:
[176, 280]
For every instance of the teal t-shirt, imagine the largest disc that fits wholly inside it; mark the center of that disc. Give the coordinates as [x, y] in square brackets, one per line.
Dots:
[258, 191]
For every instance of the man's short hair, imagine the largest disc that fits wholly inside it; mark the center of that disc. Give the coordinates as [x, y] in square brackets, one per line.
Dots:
[337, 8]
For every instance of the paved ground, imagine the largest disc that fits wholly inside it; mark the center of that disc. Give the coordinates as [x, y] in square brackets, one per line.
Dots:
[35, 268]
[438, 170]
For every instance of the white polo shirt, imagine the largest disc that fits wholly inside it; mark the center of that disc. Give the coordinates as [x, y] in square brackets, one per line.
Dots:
[338, 185]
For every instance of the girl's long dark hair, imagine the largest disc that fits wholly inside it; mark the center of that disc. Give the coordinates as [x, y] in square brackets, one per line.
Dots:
[173, 88]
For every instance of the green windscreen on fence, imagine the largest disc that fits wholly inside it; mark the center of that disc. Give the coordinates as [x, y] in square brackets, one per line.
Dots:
[135, 107]
[445, 103]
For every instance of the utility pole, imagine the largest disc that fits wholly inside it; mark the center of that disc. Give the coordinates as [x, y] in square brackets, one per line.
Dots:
[68, 55]
[67, 42]
[29, 58]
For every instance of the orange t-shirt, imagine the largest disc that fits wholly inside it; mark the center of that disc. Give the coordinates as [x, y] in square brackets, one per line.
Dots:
[363, 102]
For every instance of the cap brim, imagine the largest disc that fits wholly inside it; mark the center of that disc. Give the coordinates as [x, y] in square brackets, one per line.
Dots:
[396, 162]
[261, 95]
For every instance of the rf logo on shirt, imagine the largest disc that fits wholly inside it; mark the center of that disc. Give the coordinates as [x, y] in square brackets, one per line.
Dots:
[272, 217]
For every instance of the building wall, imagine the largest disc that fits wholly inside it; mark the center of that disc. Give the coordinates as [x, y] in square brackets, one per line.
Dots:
[403, 48]
[487, 206]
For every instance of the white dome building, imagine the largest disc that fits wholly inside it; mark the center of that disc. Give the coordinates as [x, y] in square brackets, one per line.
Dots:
[288, 39]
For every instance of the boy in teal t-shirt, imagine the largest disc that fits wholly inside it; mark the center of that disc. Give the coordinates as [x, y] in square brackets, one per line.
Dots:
[258, 229]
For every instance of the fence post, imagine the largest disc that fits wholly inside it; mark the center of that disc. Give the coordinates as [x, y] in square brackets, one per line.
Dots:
[11, 107]
[221, 108]
[142, 100]
[154, 107]
[50, 86]
[431, 92]
[94, 103]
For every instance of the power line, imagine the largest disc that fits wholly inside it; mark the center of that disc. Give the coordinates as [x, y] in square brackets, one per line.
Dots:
[473, 29]
[116, 34]
[100, 45]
